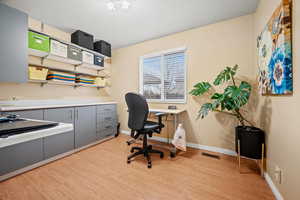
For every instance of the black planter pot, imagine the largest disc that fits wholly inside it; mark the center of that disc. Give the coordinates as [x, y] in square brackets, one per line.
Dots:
[251, 140]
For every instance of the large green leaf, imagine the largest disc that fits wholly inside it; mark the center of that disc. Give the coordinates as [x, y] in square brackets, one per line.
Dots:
[225, 75]
[200, 88]
[239, 95]
[204, 110]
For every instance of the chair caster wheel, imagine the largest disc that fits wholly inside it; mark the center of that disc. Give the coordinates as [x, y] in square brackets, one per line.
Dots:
[172, 155]
[149, 165]
[128, 161]
[161, 155]
[128, 143]
[132, 150]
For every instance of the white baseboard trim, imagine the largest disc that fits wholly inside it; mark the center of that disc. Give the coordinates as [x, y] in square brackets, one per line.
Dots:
[212, 149]
[273, 187]
[193, 145]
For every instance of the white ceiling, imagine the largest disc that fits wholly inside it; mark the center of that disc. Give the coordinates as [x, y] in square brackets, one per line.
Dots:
[146, 19]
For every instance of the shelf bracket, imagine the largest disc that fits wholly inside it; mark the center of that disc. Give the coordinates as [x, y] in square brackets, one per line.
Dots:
[42, 60]
[42, 84]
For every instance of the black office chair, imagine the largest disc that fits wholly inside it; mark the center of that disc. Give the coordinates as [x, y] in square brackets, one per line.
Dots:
[138, 113]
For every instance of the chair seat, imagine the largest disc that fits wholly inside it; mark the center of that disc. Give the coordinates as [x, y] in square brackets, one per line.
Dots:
[149, 125]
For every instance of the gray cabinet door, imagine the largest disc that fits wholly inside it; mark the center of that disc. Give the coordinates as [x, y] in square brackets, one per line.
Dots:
[58, 144]
[20, 155]
[63, 115]
[29, 114]
[13, 48]
[85, 125]
[61, 143]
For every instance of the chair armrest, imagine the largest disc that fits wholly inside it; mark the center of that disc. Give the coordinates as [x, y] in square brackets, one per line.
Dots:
[160, 115]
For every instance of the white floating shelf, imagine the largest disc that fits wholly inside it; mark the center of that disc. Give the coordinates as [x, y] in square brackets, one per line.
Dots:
[63, 59]
[90, 66]
[34, 52]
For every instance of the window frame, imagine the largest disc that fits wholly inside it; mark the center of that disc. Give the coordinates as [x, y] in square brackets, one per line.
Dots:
[162, 54]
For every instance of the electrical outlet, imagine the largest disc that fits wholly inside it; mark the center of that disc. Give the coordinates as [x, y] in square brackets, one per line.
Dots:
[278, 174]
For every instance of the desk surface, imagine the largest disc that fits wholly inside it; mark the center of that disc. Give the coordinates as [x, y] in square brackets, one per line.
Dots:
[169, 111]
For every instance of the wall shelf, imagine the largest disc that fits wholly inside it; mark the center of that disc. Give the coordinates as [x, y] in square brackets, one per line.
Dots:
[74, 71]
[62, 59]
[90, 66]
[75, 68]
[75, 85]
[76, 63]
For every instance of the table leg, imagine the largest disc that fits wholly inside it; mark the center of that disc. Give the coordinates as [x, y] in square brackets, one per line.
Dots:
[173, 149]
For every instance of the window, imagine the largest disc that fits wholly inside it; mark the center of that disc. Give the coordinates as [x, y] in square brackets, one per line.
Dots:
[163, 76]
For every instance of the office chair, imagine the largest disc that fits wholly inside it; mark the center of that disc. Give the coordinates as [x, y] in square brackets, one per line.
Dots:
[137, 121]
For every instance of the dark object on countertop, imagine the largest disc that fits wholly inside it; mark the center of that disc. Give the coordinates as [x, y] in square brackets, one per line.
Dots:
[16, 126]
[103, 47]
[82, 39]
[172, 107]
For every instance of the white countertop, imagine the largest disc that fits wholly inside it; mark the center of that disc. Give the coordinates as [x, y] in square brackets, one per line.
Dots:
[35, 104]
[24, 137]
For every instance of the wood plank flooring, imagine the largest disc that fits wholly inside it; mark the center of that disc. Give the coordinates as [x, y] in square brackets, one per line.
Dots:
[101, 173]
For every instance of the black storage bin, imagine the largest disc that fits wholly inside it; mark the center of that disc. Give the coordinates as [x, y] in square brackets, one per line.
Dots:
[251, 140]
[82, 39]
[98, 60]
[103, 48]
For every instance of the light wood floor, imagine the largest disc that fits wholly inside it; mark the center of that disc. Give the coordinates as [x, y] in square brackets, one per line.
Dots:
[101, 172]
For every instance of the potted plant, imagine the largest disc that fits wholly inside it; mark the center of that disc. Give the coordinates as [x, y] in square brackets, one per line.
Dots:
[230, 101]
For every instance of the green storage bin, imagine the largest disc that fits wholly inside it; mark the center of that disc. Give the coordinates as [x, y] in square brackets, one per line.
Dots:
[38, 41]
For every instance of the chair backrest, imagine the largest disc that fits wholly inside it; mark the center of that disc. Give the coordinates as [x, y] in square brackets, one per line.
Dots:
[138, 110]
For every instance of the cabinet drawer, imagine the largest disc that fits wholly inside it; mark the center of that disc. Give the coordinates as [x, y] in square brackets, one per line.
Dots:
[38, 41]
[58, 144]
[106, 108]
[62, 115]
[29, 114]
[106, 117]
[20, 155]
[110, 131]
[106, 132]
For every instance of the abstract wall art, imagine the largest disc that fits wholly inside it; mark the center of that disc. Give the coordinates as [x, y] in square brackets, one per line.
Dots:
[275, 53]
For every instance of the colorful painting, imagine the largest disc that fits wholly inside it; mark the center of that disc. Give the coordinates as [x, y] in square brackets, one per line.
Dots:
[275, 53]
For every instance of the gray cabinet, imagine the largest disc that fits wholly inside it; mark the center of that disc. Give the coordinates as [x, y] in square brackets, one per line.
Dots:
[106, 121]
[61, 143]
[13, 48]
[29, 114]
[63, 115]
[20, 155]
[91, 123]
[85, 125]
[58, 144]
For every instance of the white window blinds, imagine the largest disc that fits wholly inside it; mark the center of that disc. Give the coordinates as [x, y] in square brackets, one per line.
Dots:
[163, 77]
[174, 76]
[152, 78]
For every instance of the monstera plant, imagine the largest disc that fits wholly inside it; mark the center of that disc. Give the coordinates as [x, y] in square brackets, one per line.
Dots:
[230, 101]
[249, 139]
